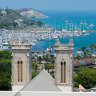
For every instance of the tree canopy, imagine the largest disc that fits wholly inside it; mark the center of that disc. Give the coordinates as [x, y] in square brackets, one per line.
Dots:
[86, 77]
[5, 70]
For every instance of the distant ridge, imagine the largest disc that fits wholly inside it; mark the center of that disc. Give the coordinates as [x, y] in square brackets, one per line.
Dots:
[11, 19]
[31, 13]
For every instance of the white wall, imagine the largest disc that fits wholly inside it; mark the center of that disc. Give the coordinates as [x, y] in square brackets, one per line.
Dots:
[36, 93]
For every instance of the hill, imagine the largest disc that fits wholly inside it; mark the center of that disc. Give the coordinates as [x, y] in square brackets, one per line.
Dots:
[31, 13]
[11, 19]
[10, 15]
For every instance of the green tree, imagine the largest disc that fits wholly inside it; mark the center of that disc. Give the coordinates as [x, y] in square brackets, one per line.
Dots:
[5, 54]
[95, 48]
[39, 59]
[5, 81]
[86, 77]
[49, 66]
[5, 70]
[35, 73]
[82, 49]
[87, 53]
[92, 47]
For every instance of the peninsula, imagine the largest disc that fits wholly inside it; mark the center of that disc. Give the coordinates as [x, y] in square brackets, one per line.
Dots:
[31, 13]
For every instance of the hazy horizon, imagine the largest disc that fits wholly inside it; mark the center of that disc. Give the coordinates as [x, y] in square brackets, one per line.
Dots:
[52, 5]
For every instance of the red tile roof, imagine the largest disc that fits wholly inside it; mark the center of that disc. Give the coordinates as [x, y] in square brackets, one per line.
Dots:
[83, 61]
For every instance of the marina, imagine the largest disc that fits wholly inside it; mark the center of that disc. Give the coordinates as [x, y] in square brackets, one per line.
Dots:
[6, 36]
[81, 30]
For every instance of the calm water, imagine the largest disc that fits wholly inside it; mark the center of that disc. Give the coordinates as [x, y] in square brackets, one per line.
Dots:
[82, 41]
[58, 19]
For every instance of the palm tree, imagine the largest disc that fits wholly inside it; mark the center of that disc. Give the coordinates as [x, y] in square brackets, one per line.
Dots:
[82, 49]
[95, 48]
[87, 53]
[92, 47]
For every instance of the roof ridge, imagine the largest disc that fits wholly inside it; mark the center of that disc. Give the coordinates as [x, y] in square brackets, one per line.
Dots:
[30, 81]
[43, 81]
[49, 75]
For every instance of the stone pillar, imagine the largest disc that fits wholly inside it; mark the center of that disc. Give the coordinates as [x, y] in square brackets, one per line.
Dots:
[21, 65]
[64, 54]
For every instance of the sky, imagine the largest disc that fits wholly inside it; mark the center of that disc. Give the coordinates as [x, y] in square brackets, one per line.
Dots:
[51, 5]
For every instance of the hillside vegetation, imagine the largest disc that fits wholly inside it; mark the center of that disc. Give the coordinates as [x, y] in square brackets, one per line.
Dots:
[10, 19]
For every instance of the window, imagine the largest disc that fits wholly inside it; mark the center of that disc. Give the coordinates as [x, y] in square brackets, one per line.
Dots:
[63, 72]
[20, 71]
